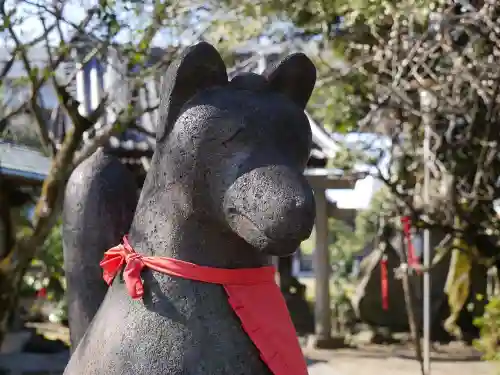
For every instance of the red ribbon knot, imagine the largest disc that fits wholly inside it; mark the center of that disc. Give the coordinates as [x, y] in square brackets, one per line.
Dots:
[131, 257]
[113, 261]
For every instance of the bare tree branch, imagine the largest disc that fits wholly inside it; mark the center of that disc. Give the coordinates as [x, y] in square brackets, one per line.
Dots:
[125, 117]
[455, 63]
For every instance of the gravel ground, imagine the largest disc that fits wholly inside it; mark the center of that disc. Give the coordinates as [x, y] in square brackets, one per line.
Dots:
[367, 359]
[397, 360]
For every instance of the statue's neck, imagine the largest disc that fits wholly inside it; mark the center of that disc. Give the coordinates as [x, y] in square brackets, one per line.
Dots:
[176, 231]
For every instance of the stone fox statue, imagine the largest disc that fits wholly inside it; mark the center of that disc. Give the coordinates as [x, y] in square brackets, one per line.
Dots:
[99, 205]
[224, 192]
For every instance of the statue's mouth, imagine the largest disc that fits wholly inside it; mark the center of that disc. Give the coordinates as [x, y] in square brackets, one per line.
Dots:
[246, 228]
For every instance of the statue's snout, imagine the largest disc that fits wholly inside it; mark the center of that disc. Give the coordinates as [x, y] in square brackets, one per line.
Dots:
[272, 208]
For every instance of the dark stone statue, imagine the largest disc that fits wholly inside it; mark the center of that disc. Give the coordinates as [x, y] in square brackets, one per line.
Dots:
[225, 189]
[98, 209]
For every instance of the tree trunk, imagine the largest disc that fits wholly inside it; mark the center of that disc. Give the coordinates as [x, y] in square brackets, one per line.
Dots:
[15, 264]
[7, 240]
[12, 270]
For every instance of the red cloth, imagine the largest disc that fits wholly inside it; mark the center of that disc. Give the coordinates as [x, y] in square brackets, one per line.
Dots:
[252, 293]
[384, 281]
[41, 293]
[412, 259]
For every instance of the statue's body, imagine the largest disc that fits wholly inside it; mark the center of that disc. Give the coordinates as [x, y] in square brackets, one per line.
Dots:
[225, 189]
[99, 207]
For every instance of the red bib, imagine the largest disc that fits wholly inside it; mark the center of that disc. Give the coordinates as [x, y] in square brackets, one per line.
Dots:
[252, 293]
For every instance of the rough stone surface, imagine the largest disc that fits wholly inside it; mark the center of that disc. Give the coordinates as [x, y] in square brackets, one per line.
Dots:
[225, 189]
[99, 206]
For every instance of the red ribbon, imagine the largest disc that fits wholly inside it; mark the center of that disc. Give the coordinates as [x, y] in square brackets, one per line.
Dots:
[41, 293]
[252, 293]
[412, 259]
[384, 283]
[124, 254]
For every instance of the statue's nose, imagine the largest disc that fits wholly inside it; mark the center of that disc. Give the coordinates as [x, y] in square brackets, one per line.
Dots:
[279, 201]
[293, 212]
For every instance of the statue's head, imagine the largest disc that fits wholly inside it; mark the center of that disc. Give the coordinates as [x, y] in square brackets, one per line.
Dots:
[235, 151]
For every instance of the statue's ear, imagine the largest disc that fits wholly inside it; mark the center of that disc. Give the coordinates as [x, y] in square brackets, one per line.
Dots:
[294, 77]
[198, 68]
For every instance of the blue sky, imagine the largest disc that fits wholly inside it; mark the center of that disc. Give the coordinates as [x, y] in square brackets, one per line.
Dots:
[361, 196]
[358, 198]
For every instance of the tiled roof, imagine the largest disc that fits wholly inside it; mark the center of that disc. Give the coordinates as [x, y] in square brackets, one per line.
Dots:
[23, 162]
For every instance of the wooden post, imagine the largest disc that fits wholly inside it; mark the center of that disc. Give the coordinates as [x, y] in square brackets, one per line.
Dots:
[322, 269]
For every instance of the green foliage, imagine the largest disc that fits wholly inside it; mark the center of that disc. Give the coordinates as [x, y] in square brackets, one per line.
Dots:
[339, 101]
[344, 243]
[343, 30]
[367, 220]
[46, 273]
[362, 53]
[489, 325]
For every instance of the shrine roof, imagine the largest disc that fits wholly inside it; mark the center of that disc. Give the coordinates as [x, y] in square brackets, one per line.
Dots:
[23, 162]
